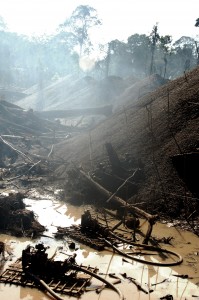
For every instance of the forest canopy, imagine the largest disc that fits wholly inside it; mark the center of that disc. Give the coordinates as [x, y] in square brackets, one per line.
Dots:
[26, 61]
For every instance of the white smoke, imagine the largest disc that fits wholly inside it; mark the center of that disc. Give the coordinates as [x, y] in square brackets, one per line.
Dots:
[86, 63]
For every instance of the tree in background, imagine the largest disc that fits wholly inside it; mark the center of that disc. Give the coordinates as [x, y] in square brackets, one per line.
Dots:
[150, 53]
[165, 46]
[108, 58]
[184, 54]
[154, 37]
[59, 54]
[139, 48]
[78, 26]
[118, 59]
[197, 52]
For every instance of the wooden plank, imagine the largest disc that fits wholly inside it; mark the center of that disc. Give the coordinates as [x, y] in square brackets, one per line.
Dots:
[16, 277]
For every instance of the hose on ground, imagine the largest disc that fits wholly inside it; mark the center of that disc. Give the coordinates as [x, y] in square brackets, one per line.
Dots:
[77, 268]
[147, 247]
[109, 284]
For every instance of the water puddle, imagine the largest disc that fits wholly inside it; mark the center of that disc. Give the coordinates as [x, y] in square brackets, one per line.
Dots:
[160, 280]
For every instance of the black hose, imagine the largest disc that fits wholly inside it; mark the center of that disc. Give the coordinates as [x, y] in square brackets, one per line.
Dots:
[148, 247]
[121, 297]
[78, 268]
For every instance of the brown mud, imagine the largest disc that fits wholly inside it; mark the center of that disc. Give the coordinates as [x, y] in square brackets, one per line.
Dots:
[179, 281]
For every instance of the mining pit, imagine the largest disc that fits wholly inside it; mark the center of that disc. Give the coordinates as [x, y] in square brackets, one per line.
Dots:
[104, 210]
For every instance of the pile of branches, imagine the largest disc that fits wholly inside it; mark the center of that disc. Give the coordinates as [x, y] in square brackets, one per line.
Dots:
[16, 121]
[27, 143]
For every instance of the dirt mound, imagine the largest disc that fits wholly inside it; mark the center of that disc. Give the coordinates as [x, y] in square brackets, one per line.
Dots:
[14, 218]
[152, 129]
[71, 92]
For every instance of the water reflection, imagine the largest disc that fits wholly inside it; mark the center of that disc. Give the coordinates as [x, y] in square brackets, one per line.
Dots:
[54, 213]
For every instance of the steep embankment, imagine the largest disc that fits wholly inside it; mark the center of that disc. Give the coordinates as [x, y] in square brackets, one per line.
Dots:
[153, 129]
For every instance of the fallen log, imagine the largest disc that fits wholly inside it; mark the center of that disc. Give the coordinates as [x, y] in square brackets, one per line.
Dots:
[137, 211]
[14, 149]
[51, 114]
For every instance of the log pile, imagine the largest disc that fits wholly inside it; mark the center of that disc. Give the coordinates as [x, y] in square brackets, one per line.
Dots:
[62, 114]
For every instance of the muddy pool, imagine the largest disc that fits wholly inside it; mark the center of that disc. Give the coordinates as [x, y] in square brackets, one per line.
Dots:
[161, 281]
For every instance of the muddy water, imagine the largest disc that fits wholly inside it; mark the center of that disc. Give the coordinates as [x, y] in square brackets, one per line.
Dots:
[161, 280]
